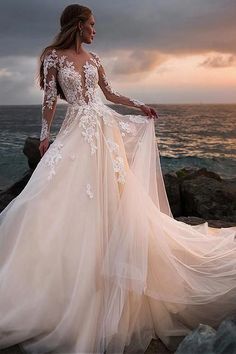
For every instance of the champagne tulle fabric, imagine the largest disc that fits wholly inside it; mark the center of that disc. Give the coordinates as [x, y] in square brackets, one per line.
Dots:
[92, 260]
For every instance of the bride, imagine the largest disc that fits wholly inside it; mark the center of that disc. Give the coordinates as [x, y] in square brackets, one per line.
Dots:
[91, 258]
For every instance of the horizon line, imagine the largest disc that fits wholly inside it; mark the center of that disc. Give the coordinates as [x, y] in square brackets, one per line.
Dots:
[168, 103]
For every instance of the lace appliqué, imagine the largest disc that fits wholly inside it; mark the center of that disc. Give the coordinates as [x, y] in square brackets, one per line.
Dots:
[109, 121]
[117, 161]
[51, 60]
[50, 91]
[52, 157]
[113, 147]
[127, 127]
[45, 130]
[119, 168]
[89, 73]
[89, 191]
[76, 93]
[137, 103]
[88, 123]
[108, 86]
[96, 59]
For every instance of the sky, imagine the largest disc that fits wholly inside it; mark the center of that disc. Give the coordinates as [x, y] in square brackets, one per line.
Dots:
[157, 51]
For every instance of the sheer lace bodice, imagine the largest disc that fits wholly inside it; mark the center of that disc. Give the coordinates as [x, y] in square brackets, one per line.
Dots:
[80, 86]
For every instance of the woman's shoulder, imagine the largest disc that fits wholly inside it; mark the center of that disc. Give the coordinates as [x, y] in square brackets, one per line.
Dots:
[96, 58]
[50, 53]
[50, 58]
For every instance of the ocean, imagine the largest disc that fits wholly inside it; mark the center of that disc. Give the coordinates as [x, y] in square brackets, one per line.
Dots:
[188, 135]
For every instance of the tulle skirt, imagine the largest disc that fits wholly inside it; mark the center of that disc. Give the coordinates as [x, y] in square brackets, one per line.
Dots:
[91, 258]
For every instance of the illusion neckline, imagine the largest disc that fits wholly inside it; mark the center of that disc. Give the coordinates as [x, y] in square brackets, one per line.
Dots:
[72, 62]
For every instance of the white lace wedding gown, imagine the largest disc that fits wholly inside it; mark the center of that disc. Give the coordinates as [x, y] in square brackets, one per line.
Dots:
[91, 259]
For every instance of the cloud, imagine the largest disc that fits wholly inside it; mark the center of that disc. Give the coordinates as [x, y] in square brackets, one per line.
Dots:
[17, 79]
[219, 61]
[169, 27]
[4, 72]
[133, 37]
[136, 62]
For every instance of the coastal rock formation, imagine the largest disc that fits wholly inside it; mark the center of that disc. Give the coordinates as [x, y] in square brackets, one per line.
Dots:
[195, 195]
[204, 339]
[203, 194]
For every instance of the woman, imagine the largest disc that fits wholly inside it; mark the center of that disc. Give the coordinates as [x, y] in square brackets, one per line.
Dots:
[92, 260]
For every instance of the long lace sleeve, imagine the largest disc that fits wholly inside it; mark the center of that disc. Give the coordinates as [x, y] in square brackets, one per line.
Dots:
[50, 93]
[109, 93]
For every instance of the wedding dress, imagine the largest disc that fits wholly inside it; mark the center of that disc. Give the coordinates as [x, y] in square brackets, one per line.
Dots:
[91, 258]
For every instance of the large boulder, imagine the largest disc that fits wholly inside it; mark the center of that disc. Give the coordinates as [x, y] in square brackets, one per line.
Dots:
[204, 339]
[209, 198]
[172, 185]
[194, 220]
[12, 192]
[201, 193]
[31, 151]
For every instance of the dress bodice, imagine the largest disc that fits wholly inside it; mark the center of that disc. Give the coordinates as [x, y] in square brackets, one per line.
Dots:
[78, 84]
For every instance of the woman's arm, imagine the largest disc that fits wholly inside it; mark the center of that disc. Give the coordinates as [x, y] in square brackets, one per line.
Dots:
[50, 93]
[116, 97]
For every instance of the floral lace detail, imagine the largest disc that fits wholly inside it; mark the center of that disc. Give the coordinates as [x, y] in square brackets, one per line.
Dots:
[71, 82]
[137, 102]
[117, 161]
[108, 86]
[96, 59]
[50, 91]
[51, 61]
[89, 72]
[113, 147]
[52, 157]
[89, 191]
[85, 108]
[119, 167]
[88, 123]
[127, 127]
[45, 130]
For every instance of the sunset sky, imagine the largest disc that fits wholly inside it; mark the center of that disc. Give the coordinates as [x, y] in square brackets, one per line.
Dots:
[158, 51]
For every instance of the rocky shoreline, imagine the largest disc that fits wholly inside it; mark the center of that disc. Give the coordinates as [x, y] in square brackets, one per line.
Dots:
[195, 195]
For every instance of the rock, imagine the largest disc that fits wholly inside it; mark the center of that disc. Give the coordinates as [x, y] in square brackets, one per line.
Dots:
[208, 198]
[190, 173]
[172, 185]
[220, 223]
[157, 347]
[225, 339]
[193, 220]
[31, 150]
[12, 192]
[198, 341]
[204, 339]
[11, 350]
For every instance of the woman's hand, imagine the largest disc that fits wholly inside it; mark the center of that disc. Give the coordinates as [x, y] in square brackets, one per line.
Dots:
[43, 146]
[149, 111]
